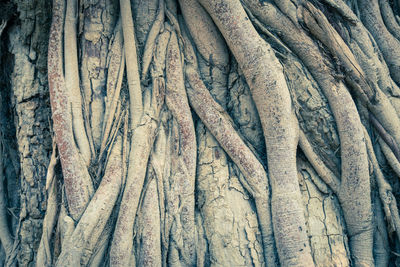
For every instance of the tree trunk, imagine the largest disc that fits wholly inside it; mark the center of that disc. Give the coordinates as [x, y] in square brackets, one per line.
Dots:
[199, 133]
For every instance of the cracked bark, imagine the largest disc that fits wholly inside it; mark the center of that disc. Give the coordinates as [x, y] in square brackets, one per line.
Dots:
[179, 129]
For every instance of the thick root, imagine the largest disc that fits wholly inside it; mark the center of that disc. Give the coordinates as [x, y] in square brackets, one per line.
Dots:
[77, 249]
[389, 45]
[143, 125]
[149, 238]
[354, 193]
[184, 153]
[72, 80]
[272, 99]
[78, 184]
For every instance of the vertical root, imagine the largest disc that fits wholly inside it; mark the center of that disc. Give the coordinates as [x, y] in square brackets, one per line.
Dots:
[390, 157]
[265, 77]
[132, 69]
[354, 193]
[151, 39]
[44, 254]
[159, 163]
[220, 125]
[141, 143]
[323, 171]
[78, 184]
[389, 18]
[184, 153]
[364, 87]
[144, 117]
[78, 247]
[384, 189]
[116, 68]
[149, 239]
[381, 240]
[389, 45]
[205, 34]
[386, 137]
[72, 80]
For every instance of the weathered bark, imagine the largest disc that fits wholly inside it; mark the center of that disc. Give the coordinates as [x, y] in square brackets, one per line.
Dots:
[199, 133]
[28, 99]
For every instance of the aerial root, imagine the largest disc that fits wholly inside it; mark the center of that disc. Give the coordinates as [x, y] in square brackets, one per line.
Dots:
[387, 138]
[221, 127]
[44, 254]
[390, 157]
[77, 181]
[144, 113]
[183, 154]
[151, 39]
[384, 189]
[116, 68]
[319, 166]
[389, 18]
[72, 82]
[78, 248]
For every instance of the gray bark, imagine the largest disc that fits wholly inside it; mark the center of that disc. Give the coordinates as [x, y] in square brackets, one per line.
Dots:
[199, 133]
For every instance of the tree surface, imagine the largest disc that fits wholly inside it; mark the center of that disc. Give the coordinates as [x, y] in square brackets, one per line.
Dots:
[199, 133]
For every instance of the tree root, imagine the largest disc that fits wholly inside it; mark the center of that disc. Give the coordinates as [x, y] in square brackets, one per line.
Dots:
[205, 34]
[144, 116]
[368, 92]
[390, 157]
[78, 184]
[132, 69]
[151, 39]
[220, 125]
[154, 165]
[372, 19]
[265, 77]
[116, 68]
[385, 190]
[381, 240]
[184, 152]
[386, 137]
[390, 20]
[158, 160]
[355, 187]
[149, 247]
[98, 257]
[319, 166]
[368, 55]
[72, 80]
[77, 249]
[141, 142]
[44, 254]
[343, 10]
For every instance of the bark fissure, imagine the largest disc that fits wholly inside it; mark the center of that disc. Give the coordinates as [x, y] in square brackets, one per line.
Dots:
[199, 133]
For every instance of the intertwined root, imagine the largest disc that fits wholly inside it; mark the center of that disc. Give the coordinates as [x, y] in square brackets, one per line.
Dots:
[147, 146]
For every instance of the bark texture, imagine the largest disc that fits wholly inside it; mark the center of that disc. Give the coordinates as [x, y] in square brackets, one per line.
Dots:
[199, 133]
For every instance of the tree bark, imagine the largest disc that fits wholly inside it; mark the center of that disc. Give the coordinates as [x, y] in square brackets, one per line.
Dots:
[199, 133]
